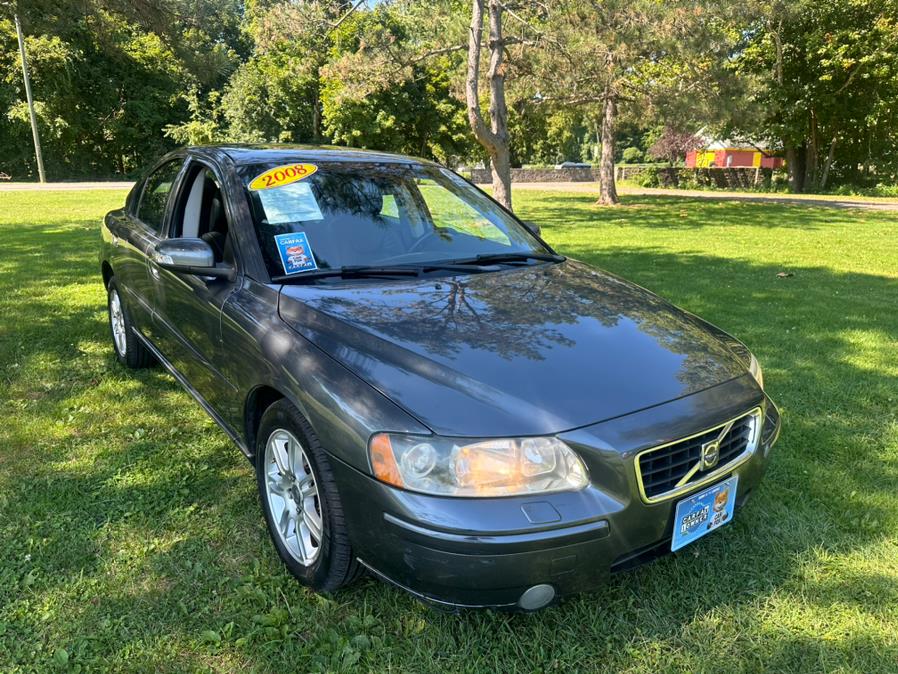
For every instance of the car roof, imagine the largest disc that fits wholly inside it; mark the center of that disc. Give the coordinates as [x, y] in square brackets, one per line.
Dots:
[263, 153]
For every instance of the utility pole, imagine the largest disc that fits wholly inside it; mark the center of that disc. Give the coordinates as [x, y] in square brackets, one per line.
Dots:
[34, 132]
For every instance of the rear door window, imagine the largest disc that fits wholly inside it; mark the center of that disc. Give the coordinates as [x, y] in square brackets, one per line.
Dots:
[156, 192]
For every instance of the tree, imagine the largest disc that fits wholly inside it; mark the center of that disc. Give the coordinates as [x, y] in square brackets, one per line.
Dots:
[273, 98]
[334, 71]
[543, 135]
[108, 76]
[433, 32]
[630, 56]
[631, 155]
[493, 138]
[117, 81]
[825, 76]
[672, 145]
[276, 94]
[365, 104]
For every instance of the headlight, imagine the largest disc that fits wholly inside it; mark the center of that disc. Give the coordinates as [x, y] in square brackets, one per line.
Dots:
[754, 368]
[465, 467]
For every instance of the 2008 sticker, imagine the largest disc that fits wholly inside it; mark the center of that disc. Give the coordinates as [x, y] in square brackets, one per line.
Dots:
[282, 175]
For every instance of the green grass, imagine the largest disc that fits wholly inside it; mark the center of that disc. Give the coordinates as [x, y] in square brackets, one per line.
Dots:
[130, 533]
[885, 194]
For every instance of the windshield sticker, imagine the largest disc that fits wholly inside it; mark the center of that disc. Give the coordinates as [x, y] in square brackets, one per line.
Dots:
[290, 203]
[390, 208]
[296, 254]
[282, 175]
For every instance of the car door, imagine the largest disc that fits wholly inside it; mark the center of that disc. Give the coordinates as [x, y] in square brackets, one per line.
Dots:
[136, 233]
[188, 307]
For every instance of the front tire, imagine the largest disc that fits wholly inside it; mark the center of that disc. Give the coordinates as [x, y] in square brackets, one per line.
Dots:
[300, 501]
[129, 350]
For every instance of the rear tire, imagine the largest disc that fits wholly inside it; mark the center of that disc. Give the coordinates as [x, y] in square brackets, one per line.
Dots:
[300, 501]
[129, 350]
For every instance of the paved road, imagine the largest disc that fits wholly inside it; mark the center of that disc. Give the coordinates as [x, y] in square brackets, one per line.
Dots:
[30, 187]
[827, 201]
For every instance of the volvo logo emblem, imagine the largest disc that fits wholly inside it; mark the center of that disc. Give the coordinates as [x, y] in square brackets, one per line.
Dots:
[710, 454]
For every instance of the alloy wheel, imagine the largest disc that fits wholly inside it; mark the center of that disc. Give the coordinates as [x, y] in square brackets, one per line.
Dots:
[117, 321]
[293, 498]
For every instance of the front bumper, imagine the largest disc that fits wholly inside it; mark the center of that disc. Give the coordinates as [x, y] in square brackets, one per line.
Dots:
[487, 552]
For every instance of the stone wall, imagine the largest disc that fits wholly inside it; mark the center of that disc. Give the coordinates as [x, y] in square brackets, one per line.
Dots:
[540, 175]
[648, 176]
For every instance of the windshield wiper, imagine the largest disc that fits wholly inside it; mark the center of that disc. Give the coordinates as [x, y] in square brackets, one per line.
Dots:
[502, 258]
[359, 271]
[466, 265]
[484, 261]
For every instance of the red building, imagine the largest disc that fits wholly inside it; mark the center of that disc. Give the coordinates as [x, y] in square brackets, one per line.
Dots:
[725, 155]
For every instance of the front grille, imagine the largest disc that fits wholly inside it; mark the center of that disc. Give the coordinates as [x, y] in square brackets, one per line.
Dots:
[662, 470]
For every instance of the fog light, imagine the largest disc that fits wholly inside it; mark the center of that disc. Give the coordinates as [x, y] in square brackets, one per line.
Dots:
[537, 597]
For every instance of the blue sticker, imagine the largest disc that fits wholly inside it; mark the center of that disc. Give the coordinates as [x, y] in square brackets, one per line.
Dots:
[296, 254]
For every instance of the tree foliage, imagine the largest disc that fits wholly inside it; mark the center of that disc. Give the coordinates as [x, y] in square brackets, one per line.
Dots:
[618, 58]
[372, 99]
[824, 78]
[105, 86]
[673, 144]
[117, 82]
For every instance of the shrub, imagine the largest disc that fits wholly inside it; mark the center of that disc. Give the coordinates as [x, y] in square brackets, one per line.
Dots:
[649, 177]
[631, 155]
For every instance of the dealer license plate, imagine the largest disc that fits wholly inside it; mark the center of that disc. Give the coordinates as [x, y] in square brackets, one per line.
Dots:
[704, 512]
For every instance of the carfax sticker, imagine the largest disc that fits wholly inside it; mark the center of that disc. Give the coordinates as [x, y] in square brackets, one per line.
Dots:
[282, 175]
[296, 254]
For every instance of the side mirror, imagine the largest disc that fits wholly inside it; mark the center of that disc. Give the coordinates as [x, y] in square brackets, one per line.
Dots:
[533, 227]
[189, 256]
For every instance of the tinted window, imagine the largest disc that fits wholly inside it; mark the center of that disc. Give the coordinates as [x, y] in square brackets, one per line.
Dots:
[156, 191]
[348, 213]
[133, 196]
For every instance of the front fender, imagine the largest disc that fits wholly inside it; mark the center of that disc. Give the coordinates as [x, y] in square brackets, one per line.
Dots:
[343, 410]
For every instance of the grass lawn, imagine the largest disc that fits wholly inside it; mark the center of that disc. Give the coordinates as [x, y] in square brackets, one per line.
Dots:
[131, 537]
[885, 195]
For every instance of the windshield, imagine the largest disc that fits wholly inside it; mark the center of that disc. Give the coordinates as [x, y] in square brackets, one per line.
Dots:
[324, 216]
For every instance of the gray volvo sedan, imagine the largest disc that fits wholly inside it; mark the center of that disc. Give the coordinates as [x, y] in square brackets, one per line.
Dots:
[426, 390]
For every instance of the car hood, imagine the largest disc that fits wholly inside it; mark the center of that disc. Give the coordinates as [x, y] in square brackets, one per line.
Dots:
[524, 351]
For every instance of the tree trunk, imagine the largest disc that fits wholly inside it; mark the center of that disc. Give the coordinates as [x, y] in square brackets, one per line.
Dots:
[812, 158]
[829, 162]
[868, 159]
[796, 162]
[597, 146]
[607, 190]
[316, 116]
[494, 138]
[500, 161]
[498, 109]
[810, 165]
